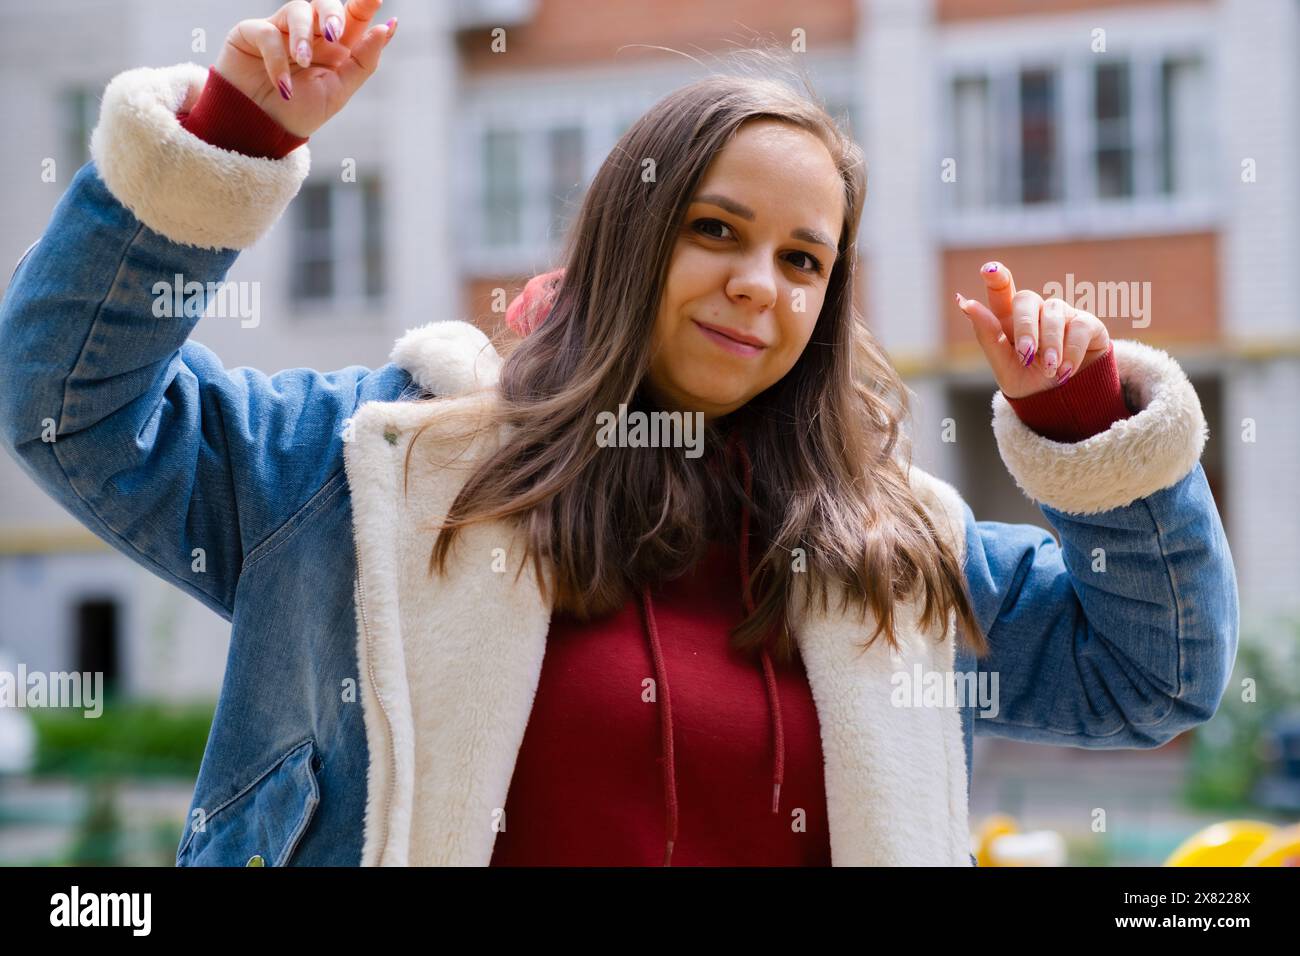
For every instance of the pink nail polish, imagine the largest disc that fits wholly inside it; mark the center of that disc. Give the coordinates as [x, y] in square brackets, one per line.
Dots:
[991, 267]
[285, 90]
[1025, 349]
[1068, 372]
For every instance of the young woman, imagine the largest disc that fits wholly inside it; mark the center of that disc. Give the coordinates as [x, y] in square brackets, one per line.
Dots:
[467, 628]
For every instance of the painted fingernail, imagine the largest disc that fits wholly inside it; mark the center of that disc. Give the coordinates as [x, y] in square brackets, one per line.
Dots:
[286, 89]
[303, 56]
[333, 28]
[1049, 360]
[392, 27]
[961, 303]
[1066, 372]
[990, 267]
[1025, 348]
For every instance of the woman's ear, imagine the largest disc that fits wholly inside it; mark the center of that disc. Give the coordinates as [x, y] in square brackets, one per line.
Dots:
[531, 307]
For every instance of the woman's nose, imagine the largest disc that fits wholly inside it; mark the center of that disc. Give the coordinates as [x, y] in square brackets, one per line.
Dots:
[755, 280]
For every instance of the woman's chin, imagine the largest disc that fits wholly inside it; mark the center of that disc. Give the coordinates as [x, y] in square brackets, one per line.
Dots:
[706, 392]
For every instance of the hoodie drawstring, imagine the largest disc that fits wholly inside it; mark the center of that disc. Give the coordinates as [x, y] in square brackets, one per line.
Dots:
[661, 676]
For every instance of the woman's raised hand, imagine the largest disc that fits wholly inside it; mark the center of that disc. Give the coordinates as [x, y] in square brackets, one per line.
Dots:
[304, 62]
[1032, 344]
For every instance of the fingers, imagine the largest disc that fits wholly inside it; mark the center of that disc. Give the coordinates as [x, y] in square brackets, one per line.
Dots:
[1001, 288]
[989, 334]
[266, 38]
[1063, 338]
[296, 23]
[299, 17]
[329, 14]
[1051, 334]
[364, 56]
[1026, 312]
[1077, 336]
[357, 13]
[1017, 311]
[1084, 332]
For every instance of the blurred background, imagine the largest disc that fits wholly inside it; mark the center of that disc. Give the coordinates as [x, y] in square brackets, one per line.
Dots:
[1142, 153]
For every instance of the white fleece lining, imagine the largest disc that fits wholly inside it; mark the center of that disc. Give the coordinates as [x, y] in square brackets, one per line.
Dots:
[175, 183]
[1133, 458]
[456, 659]
[448, 358]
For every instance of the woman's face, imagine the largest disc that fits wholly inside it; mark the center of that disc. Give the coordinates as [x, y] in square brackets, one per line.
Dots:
[752, 260]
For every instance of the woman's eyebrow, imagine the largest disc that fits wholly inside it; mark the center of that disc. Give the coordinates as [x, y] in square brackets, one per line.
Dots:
[744, 212]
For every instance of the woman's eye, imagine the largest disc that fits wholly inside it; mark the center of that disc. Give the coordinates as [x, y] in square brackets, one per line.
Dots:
[814, 265]
[716, 222]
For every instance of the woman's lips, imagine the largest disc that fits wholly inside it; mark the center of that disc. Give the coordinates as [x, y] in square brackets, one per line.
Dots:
[730, 344]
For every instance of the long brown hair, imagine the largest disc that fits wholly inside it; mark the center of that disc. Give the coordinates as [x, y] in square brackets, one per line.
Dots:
[829, 458]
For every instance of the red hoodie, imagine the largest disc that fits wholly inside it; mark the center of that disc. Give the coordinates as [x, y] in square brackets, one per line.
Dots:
[601, 768]
[728, 770]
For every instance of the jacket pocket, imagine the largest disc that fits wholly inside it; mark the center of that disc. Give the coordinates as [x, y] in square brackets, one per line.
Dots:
[262, 823]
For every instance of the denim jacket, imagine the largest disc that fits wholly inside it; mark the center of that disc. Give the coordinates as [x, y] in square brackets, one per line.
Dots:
[371, 713]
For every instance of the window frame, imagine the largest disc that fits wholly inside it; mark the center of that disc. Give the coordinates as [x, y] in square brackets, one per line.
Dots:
[348, 234]
[967, 54]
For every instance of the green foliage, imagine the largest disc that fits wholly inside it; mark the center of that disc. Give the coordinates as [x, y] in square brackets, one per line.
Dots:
[99, 835]
[1226, 757]
[131, 738]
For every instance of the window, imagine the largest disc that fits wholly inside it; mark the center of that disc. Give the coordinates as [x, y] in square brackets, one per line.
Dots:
[1079, 135]
[338, 241]
[1039, 181]
[976, 168]
[313, 244]
[1006, 138]
[503, 197]
[1183, 165]
[1112, 119]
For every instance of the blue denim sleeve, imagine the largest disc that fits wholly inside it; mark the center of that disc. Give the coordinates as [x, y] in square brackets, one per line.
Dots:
[1125, 634]
[140, 432]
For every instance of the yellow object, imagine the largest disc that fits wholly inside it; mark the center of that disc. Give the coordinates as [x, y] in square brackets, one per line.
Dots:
[1222, 844]
[1282, 848]
[999, 824]
[1036, 848]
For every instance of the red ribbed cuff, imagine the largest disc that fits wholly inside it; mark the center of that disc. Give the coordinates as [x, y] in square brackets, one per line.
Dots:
[1088, 403]
[225, 117]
